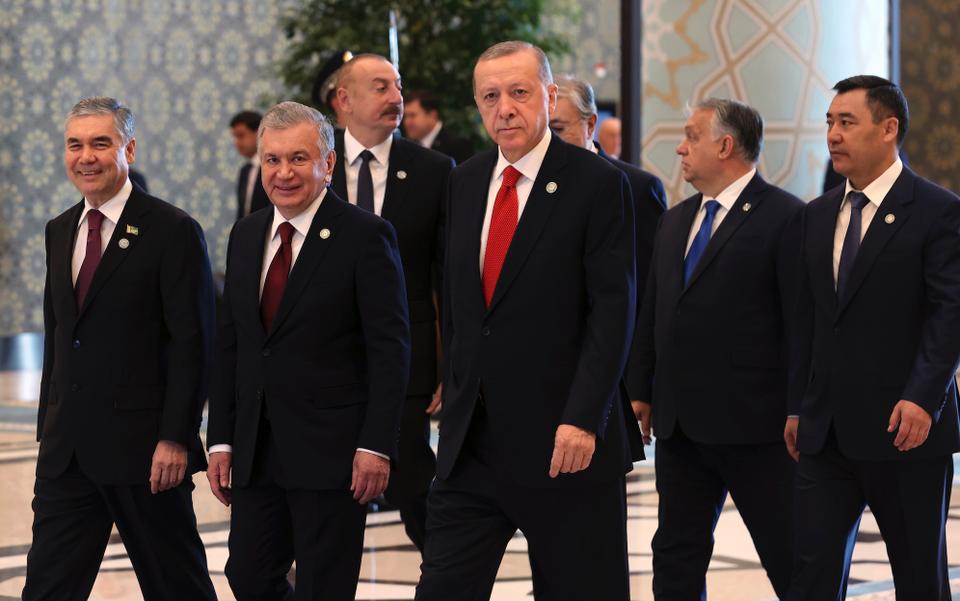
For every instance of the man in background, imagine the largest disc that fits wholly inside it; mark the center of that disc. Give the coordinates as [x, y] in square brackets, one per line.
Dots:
[250, 193]
[609, 136]
[422, 123]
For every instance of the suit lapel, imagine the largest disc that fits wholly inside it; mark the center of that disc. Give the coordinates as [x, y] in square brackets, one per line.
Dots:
[822, 223]
[134, 214]
[61, 263]
[536, 213]
[247, 297]
[475, 208]
[311, 253]
[896, 203]
[399, 162]
[339, 181]
[679, 235]
[741, 210]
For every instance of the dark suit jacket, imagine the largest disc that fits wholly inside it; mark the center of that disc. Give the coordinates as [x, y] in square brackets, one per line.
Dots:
[712, 355]
[551, 348]
[414, 206]
[129, 368]
[895, 334]
[449, 144]
[259, 200]
[332, 371]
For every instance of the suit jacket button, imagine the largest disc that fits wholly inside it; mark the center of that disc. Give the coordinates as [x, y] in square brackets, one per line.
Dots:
[266, 352]
[74, 387]
[76, 344]
[485, 331]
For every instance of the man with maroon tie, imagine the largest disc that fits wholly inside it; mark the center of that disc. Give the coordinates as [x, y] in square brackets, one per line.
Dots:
[313, 356]
[539, 302]
[128, 320]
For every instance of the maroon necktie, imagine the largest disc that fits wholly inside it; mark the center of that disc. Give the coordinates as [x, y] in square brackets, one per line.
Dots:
[277, 277]
[91, 258]
[503, 224]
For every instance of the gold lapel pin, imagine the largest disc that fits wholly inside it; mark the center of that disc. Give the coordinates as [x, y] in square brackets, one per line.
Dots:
[401, 174]
[890, 218]
[324, 233]
[747, 206]
[123, 243]
[551, 187]
[133, 230]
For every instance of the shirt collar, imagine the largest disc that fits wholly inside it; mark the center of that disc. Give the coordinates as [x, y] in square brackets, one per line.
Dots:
[880, 187]
[594, 147]
[301, 222]
[529, 164]
[429, 139]
[113, 208]
[728, 197]
[255, 160]
[352, 148]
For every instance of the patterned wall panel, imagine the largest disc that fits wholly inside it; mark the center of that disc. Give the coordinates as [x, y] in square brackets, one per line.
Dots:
[930, 75]
[781, 56]
[594, 30]
[183, 66]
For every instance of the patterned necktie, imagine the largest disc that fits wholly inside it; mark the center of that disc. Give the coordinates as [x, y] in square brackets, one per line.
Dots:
[851, 240]
[700, 241]
[365, 182]
[92, 257]
[277, 277]
[503, 224]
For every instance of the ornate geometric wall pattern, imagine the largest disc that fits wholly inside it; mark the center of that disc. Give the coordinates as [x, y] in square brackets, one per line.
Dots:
[781, 56]
[930, 76]
[183, 66]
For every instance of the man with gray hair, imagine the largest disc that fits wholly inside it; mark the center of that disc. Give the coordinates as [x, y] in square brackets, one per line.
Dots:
[128, 323]
[313, 356]
[539, 308]
[710, 361]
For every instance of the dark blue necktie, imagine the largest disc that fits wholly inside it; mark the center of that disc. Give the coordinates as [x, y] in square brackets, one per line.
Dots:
[851, 241]
[700, 241]
[365, 182]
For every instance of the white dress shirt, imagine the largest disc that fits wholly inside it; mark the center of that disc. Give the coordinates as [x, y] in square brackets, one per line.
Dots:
[529, 166]
[111, 217]
[875, 193]
[727, 198]
[378, 168]
[430, 138]
[301, 226]
[252, 176]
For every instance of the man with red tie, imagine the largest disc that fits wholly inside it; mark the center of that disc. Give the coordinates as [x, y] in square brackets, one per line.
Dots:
[313, 356]
[539, 301]
[128, 320]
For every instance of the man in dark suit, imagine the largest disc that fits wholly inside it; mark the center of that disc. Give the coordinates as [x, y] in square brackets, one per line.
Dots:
[539, 305]
[128, 312]
[313, 353]
[421, 123]
[710, 360]
[873, 398]
[404, 183]
[250, 193]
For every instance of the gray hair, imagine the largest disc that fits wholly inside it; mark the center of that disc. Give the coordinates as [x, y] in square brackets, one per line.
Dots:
[289, 114]
[123, 120]
[738, 120]
[515, 46]
[580, 93]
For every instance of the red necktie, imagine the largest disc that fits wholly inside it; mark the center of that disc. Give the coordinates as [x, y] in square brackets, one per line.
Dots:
[92, 257]
[503, 224]
[277, 277]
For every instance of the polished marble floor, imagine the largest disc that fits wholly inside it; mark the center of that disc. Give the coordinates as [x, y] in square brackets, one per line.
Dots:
[391, 564]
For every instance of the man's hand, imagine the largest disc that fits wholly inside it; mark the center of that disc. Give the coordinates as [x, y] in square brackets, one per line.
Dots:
[168, 467]
[218, 474]
[572, 450]
[790, 436]
[914, 425]
[642, 411]
[370, 476]
[435, 404]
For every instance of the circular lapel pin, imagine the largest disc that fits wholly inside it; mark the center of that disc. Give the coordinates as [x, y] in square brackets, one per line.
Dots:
[401, 174]
[747, 206]
[123, 243]
[551, 187]
[890, 218]
[324, 233]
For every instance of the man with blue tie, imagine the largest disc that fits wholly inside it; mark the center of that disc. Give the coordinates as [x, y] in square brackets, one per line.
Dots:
[873, 399]
[709, 368]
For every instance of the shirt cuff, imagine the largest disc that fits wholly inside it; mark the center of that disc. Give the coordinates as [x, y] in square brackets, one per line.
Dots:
[796, 416]
[380, 455]
[221, 448]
